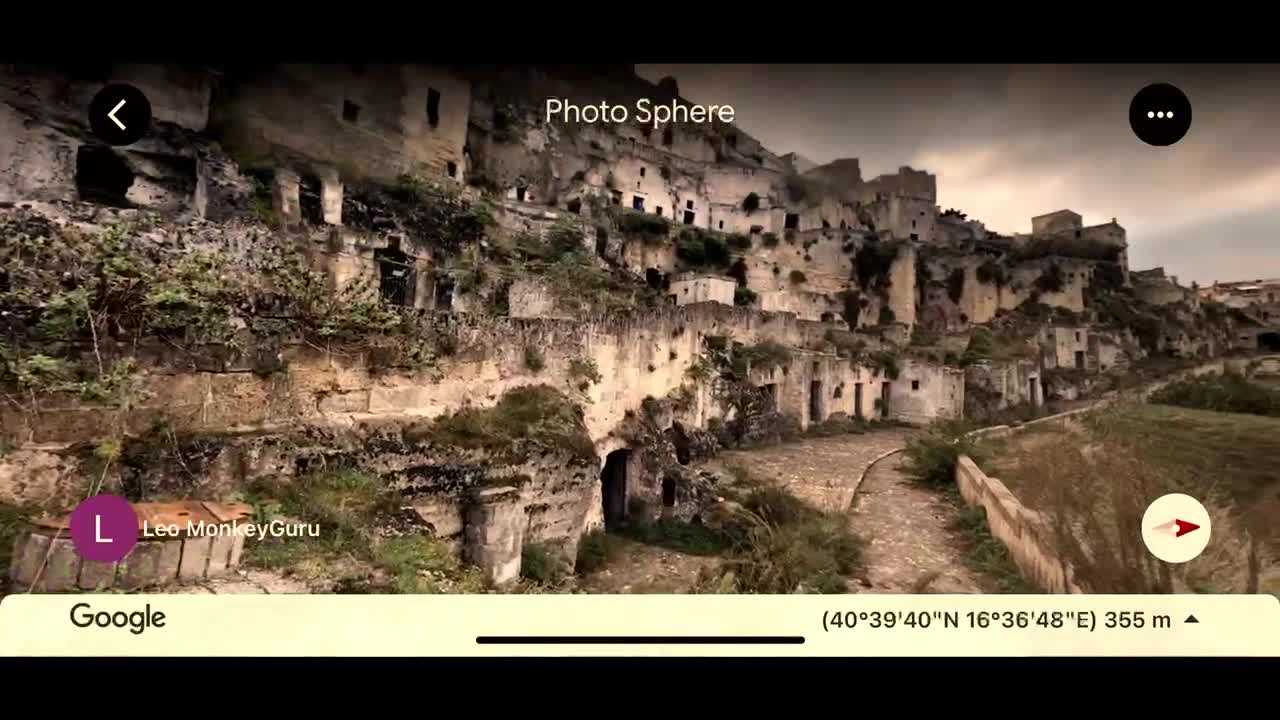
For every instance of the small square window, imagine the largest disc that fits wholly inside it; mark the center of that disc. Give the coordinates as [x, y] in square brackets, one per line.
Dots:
[350, 111]
[915, 384]
[688, 204]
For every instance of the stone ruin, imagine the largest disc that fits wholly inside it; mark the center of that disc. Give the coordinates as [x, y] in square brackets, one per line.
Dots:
[673, 284]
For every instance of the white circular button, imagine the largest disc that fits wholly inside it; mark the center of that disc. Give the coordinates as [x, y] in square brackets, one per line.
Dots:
[1176, 528]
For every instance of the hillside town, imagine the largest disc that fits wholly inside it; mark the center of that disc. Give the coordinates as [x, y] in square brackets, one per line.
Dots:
[530, 330]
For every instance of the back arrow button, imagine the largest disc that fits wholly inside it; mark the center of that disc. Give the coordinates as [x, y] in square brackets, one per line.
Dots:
[120, 114]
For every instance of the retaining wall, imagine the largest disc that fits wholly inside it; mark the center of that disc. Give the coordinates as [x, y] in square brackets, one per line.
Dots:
[1024, 532]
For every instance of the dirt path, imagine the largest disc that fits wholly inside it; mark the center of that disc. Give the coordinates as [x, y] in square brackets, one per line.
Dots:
[909, 546]
[644, 568]
[823, 471]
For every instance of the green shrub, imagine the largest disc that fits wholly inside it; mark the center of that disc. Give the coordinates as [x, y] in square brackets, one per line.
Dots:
[886, 315]
[743, 296]
[932, 457]
[537, 413]
[699, 248]
[872, 263]
[847, 344]
[1051, 279]
[739, 241]
[1230, 392]
[640, 223]
[596, 550]
[542, 564]
[778, 506]
[584, 369]
[886, 361]
[533, 359]
[813, 556]
[689, 538]
[769, 240]
[991, 272]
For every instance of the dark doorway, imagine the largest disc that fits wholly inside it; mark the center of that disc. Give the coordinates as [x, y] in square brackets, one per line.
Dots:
[1269, 341]
[310, 202]
[668, 492]
[792, 222]
[433, 107]
[1044, 391]
[688, 217]
[815, 401]
[1080, 359]
[770, 394]
[614, 489]
[884, 399]
[1031, 391]
[575, 206]
[602, 241]
[102, 176]
[444, 293]
[857, 399]
[653, 277]
[680, 441]
[396, 275]
[520, 193]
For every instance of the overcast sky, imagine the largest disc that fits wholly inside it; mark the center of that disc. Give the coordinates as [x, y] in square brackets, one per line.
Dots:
[1010, 142]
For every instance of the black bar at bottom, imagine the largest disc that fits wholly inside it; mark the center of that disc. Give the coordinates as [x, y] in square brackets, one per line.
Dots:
[639, 640]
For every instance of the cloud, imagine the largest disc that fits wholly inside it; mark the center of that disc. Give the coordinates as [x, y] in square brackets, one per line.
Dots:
[1011, 142]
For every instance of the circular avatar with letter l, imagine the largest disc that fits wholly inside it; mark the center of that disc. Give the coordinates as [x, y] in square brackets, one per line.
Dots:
[1176, 528]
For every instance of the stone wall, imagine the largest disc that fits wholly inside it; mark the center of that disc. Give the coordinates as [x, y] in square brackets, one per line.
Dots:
[925, 391]
[994, 385]
[1022, 531]
[368, 121]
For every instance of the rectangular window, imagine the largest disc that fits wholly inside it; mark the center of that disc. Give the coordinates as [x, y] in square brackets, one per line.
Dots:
[688, 204]
[915, 384]
[433, 107]
[641, 172]
[637, 203]
[452, 168]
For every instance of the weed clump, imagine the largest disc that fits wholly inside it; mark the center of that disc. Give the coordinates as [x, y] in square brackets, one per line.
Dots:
[542, 564]
[596, 550]
[1229, 392]
[537, 414]
[932, 457]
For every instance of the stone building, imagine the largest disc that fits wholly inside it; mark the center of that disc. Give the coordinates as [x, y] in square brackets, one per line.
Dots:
[690, 288]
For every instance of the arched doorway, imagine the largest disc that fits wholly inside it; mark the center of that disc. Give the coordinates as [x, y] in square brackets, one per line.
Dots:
[613, 489]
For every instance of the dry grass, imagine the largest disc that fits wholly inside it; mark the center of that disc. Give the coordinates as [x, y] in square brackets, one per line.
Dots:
[1093, 480]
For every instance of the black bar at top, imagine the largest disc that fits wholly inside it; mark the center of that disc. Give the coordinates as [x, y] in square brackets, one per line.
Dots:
[640, 640]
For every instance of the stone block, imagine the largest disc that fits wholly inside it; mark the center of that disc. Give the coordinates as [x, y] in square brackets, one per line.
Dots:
[220, 554]
[493, 538]
[140, 567]
[195, 557]
[170, 557]
[237, 549]
[28, 554]
[63, 568]
[96, 575]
